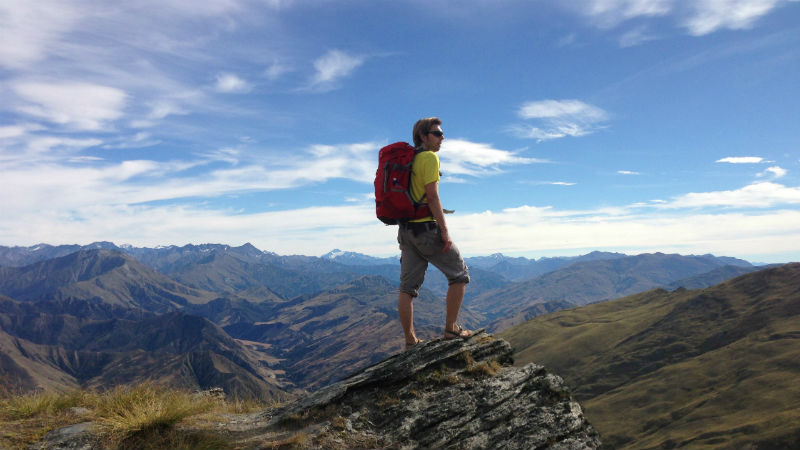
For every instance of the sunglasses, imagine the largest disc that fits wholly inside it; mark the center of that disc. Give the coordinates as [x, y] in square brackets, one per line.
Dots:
[436, 133]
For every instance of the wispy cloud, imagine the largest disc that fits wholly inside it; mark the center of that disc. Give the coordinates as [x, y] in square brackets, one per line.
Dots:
[230, 83]
[636, 36]
[774, 172]
[19, 130]
[698, 17]
[116, 202]
[756, 195]
[331, 68]
[30, 29]
[741, 160]
[549, 183]
[628, 172]
[610, 13]
[461, 157]
[276, 70]
[557, 231]
[56, 102]
[711, 15]
[559, 118]
[78, 184]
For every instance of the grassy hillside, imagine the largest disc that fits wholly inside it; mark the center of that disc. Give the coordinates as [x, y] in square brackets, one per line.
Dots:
[715, 368]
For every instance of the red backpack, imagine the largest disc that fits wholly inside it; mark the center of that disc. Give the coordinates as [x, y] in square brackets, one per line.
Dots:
[393, 202]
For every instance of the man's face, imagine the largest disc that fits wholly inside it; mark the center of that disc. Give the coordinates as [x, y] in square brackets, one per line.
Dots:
[432, 140]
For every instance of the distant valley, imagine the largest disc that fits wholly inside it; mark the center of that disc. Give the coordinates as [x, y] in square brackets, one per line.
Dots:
[263, 324]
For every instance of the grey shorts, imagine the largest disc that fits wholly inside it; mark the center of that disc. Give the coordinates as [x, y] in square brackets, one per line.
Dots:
[416, 251]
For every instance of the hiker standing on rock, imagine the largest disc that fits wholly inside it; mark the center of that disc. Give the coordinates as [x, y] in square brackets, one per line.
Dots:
[427, 240]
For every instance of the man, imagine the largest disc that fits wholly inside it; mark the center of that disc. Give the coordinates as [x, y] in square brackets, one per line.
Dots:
[427, 240]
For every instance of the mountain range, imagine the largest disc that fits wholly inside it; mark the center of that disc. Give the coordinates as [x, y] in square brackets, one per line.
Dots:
[295, 322]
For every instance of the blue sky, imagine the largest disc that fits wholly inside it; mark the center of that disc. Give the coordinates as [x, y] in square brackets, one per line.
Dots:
[616, 125]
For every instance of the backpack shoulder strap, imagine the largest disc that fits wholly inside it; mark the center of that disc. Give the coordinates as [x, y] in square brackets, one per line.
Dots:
[417, 151]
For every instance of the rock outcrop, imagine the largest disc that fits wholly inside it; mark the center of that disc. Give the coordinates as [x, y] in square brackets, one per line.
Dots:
[444, 394]
[440, 394]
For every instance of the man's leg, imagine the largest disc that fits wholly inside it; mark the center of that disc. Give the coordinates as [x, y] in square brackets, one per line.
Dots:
[405, 308]
[455, 295]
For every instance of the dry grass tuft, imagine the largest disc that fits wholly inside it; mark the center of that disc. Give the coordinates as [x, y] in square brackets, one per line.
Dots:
[127, 410]
[30, 405]
[144, 416]
[484, 369]
[295, 441]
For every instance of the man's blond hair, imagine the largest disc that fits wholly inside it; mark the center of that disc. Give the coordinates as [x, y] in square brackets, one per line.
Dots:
[423, 126]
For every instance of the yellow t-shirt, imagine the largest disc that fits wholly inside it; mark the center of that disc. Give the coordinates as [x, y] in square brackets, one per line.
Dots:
[424, 170]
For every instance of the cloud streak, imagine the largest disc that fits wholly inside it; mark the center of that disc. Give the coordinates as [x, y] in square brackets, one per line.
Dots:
[331, 68]
[756, 195]
[229, 83]
[461, 157]
[556, 119]
[774, 172]
[709, 16]
[698, 17]
[741, 160]
[78, 105]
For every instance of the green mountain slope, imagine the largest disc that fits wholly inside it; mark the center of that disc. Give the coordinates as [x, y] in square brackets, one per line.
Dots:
[715, 368]
[588, 282]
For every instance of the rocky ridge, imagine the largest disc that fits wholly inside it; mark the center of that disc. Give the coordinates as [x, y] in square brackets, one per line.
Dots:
[448, 394]
[444, 394]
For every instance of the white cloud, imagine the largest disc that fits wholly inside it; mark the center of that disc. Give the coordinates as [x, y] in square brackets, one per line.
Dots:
[699, 17]
[756, 195]
[775, 172]
[628, 172]
[79, 105]
[159, 110]
[461, 157]
[332, 67]
[556, 109]
[137, 140]
[711, 15]
[547, 183]
[31, 28]
[41, 181]
[548, 231]
[636, 36]
[114, 202]
[17, 131]
[610, 13]
[741, 160]
[43, 145]
[230, 83]
[526, 230]
[276, 70]
[559, 118]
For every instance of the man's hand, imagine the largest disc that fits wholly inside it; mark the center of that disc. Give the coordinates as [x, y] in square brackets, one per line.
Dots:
[446, 241]
[435, 204]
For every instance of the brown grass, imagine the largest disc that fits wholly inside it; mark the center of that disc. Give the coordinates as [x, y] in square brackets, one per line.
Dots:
[143, 416]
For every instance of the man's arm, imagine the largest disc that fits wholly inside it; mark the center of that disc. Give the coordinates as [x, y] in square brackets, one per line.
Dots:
[435, 205]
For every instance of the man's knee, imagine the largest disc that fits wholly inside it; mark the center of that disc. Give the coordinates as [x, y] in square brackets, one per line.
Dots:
[460, 279]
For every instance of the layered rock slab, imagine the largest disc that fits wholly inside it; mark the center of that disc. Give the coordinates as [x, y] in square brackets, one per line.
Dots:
[447, 394]
[441, 394]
